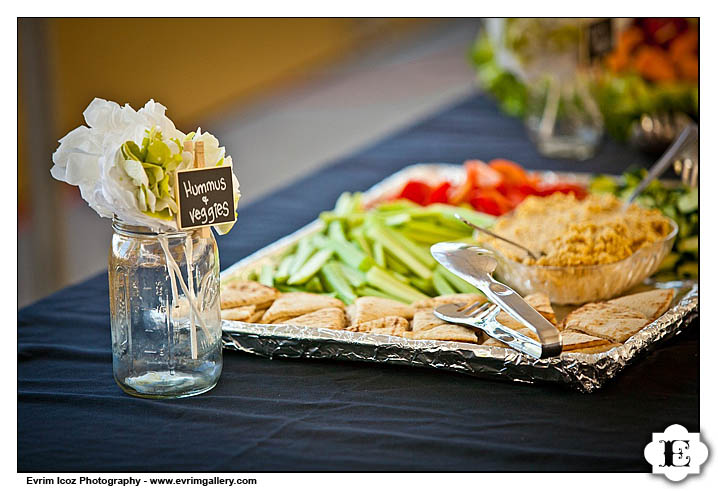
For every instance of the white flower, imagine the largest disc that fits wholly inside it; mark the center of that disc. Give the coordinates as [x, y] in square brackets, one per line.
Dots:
[123, 162]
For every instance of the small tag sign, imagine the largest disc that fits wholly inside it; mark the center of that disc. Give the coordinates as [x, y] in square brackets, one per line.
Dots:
[600, 39]
[205, 197]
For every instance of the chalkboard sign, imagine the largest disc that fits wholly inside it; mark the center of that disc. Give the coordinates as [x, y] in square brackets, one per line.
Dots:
[205, 197]
[600, 38]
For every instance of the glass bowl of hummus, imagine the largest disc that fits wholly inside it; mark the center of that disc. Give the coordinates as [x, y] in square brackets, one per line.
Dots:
[586, 250]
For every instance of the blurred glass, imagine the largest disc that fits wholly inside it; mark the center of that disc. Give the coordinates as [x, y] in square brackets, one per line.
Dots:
[562, 117]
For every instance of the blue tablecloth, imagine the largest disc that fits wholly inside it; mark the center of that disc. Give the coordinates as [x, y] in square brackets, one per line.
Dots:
[282, 415]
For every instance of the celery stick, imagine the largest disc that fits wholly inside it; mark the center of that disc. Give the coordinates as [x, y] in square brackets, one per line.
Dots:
[480, 219]
[380, 234]
[459, 284]
[304, 250]
[266, 275]
[442, 286]
[384, 281]
[336, 231]
[433, 230]
[286, 288]
[454, 225]
[356, 202]
[357, 236]
[399, 204]
[378, 253]
[328, 216]
[361, 246]
[398, 219]
[426, 286]
[367, 291]
[343, 204]
[310, 268]
[353, 219]
[400, 277]
[419, 252]
[332, 274]
[350, 254]
[314, 285]
[355, 277]
[282, 273]
[419, 237]
[320, 241]
[394, 264]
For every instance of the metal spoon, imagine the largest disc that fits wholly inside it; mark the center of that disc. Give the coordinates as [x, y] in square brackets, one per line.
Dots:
[488, 232]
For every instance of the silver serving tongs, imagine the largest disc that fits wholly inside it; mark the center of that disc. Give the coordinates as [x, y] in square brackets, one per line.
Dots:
[476, 265]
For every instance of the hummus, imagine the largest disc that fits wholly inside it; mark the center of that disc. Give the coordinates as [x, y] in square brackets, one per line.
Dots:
[571, 232]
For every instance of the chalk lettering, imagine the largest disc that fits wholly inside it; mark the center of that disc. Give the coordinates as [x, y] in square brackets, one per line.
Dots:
[204, 187]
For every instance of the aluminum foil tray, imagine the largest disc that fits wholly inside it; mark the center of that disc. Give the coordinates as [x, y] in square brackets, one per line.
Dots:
[581, 371]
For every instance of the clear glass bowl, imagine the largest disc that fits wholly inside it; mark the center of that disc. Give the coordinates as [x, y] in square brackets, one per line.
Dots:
[581, 284]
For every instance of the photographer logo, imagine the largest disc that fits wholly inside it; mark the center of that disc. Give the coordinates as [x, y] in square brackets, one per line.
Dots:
[676, 453]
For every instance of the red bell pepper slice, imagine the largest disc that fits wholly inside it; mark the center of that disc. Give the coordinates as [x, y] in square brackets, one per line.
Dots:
[490, 201]
[440, 193]
[511, 172]
[563, 187]
[416, 191]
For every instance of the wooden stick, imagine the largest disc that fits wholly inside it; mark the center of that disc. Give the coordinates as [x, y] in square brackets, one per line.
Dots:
[204, 232]
[190, 284]
[188, 146]
[192, 299]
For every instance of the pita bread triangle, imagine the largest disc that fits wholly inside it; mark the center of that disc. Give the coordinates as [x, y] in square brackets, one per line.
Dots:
[238, 313]
[424, 319]
[463, 298]
[393, 324]
[372, 308]
[573, 340]
[331, 318]
[241, 293]
[294, 304]
[652, 303]
[446, 332]
[606, 320]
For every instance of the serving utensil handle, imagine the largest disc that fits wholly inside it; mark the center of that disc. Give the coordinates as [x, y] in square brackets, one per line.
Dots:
[687, 139]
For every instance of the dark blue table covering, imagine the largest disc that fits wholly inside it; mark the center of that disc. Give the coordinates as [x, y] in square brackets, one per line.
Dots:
[290, 415]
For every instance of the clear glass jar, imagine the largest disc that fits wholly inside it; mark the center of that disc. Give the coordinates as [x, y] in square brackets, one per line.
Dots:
[161, 346]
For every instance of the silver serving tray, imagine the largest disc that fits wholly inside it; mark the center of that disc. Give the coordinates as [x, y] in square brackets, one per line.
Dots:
[582, 371]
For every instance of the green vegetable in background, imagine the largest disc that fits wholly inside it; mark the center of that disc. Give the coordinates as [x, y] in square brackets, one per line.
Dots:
[679, 203]
[622, 99]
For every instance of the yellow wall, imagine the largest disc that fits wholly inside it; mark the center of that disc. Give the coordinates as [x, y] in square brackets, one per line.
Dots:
[198, 68]
[195, 67]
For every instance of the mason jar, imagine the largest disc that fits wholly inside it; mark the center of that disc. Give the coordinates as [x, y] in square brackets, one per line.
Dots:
[164, 312]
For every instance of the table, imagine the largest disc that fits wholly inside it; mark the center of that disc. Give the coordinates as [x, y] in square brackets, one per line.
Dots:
[292, 415]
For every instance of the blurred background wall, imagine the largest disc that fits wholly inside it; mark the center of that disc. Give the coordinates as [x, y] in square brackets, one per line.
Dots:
[283, 95]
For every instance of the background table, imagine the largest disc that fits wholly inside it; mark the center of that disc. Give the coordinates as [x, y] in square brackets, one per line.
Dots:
[293, 415]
